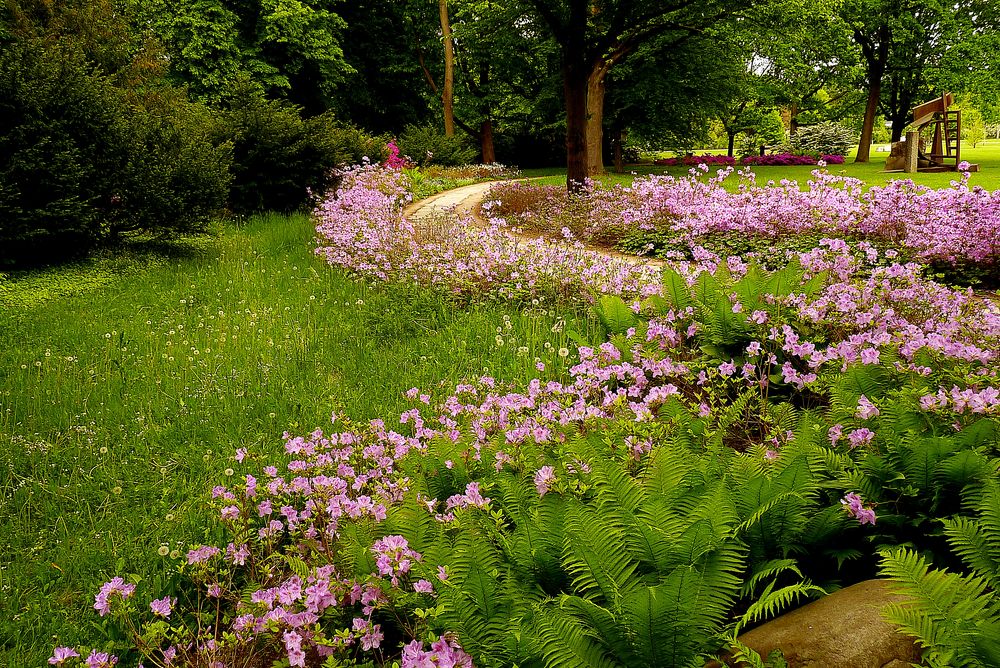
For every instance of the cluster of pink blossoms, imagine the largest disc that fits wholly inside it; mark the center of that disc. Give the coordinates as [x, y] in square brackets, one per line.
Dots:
[951, 224]
[855, 508]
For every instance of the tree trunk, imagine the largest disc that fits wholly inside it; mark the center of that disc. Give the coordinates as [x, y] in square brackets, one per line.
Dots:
[576, 71]
[576, 129]
[486, 139]
[876, 55]
[448, 94]
[793, 120]
[732, 143]
[617, 140]
[868, 127]
[596, 87]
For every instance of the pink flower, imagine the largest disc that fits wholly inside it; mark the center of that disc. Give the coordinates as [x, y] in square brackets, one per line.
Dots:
[855, 508]
[423, 587]
[866, 409]
[116, 586]
[101, 660]
[544, 478]
[861, 436]
[62, 654]
[161, 607]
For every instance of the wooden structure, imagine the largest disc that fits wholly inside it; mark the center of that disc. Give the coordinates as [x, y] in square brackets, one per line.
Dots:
[946, 148]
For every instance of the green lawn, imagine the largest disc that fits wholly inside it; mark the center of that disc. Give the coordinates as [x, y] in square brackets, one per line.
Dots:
[128, 382]
[986, 155]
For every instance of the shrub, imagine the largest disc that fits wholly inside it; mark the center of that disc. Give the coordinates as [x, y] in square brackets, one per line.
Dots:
[178, 173]
[280, 157]
[693, 160]
[62, 142]
[426, 145]
[786, 159]
[82, 162]
[825, 138]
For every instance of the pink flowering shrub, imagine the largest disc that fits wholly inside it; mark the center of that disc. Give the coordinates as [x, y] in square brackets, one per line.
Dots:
[951, 225]
[694, 160]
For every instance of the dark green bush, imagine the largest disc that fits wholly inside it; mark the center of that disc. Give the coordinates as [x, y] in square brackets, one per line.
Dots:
[427, 145]
[82, 162]
[178, 173]
[280, 157]
[61, 147]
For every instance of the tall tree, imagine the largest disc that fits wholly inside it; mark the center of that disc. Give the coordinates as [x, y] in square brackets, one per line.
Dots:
[596, 35]
[903, 43]
[289, 48]
[448, 92]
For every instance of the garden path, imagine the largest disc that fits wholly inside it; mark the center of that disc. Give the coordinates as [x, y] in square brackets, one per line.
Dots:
[465, 202]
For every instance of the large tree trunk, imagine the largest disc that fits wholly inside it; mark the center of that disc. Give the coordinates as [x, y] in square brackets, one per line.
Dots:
[876, 55]
[448, 94]
[596, 87]
[577, 167]
[486, 140]
[868, 127]
[732, 144]
[576, 71]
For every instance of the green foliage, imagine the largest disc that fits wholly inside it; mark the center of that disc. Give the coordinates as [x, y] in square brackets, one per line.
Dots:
[83, 162]
[280, 157]
[290, 48]
[60, 145]
[955, 618]
[427, 145]
[826, 138]
[178, 173]
[973, 127]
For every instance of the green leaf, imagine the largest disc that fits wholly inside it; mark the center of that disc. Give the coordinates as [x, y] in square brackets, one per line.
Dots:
[615, 314]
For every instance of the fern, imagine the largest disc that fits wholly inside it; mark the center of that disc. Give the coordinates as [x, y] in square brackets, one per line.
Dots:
[955, 618]
[773, 601]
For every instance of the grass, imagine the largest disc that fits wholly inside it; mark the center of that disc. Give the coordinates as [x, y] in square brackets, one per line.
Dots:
[986, 155]
[128, 382]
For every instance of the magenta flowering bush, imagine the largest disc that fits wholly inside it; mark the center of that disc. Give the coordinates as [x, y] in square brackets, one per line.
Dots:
[949, 226]
[790, 159]
[694, 160]
[394, 160]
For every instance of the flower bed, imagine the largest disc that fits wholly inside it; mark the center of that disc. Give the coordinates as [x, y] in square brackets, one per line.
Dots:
[950, 226]
[787, 159]
[693, 160]
[727, 424]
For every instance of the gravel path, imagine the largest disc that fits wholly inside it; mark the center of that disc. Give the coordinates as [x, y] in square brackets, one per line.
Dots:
[465, 201]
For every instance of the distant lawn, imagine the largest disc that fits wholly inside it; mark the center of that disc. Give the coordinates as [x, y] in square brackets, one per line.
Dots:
[986, 155]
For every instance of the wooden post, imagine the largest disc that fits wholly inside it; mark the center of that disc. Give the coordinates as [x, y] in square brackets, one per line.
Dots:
[912, 149]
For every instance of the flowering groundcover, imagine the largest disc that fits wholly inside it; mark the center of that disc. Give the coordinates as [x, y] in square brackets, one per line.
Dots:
[725, 408]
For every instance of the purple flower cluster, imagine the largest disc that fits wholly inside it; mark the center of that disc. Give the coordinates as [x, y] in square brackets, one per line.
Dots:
[949, 225]
[855, 508]
[109, 591]
[442, 654]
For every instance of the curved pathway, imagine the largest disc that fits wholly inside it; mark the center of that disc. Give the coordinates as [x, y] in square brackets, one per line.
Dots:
[462, 201]
[466, 200]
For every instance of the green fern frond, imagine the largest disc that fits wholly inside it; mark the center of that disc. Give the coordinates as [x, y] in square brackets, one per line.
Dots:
[595, 556]
[949, 614]
[564, 641]
[769, 569]
[970, 542]
[773, 601]
[774, 502]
